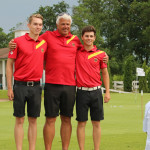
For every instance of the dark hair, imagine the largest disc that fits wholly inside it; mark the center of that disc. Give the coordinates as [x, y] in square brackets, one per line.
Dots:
[88, 29]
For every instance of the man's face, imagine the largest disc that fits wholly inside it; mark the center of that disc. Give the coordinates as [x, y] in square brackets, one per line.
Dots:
[35, 26]
[88, 38]
[64, 26]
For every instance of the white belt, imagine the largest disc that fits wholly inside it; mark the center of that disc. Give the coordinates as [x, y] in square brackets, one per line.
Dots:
[89, 89]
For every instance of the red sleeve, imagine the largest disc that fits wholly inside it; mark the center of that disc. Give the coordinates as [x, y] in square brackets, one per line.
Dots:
[102, 64]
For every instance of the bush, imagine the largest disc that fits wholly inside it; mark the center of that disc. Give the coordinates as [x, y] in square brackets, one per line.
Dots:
[128, 71]
[143, 80]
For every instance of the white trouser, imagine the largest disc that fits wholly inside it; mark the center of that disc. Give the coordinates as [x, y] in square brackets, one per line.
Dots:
[148, 135]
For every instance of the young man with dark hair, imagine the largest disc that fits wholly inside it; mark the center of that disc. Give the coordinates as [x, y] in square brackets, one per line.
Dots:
[89, 63]
[28, 59]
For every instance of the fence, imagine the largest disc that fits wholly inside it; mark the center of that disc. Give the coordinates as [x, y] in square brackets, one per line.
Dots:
[118, 85]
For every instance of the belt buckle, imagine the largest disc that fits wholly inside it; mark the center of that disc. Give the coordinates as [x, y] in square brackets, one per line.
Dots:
[30, 83]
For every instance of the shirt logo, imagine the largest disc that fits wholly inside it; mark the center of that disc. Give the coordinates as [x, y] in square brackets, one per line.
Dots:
[95, 59]
[11, 52]
[42, 50]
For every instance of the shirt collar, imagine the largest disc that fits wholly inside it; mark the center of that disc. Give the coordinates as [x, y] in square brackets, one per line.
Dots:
[58, 34]
[30, 39]
[93, 49]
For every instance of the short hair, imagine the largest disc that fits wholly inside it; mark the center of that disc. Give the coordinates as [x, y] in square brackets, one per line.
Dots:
[36, 16]
[88, 29]
[63, 15]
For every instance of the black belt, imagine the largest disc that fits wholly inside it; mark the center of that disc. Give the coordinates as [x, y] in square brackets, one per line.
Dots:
[28, 83]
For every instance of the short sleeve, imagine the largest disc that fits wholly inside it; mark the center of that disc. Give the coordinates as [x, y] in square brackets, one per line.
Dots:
[102, 64]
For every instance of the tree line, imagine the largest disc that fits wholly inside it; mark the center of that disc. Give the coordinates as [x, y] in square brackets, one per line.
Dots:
[123, 29]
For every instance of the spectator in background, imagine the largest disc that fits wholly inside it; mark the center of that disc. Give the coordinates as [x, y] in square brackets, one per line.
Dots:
[146, 125]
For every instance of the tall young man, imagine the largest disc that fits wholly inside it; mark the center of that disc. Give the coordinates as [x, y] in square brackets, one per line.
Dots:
[89, 63]
[28, 58]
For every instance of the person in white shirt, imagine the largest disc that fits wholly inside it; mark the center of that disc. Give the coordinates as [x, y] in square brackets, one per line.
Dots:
[146, 125]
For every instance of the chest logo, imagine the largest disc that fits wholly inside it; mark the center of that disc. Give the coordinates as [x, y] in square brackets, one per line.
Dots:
[42, 50]
[73, 44]
[95, 60]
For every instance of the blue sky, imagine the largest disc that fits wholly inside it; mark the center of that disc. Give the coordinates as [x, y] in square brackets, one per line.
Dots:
[13, 12]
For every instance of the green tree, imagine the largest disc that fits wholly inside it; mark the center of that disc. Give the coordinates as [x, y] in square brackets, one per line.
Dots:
[110, 76]
[50, 13]
[11, 34]
[148, 79]
[89, 12]
[3, 39]
[139, 29]
[128, 73]
[143, 85]
[126, 28]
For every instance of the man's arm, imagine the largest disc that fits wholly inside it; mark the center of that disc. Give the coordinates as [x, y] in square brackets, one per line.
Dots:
[9, 74]
[106, 84]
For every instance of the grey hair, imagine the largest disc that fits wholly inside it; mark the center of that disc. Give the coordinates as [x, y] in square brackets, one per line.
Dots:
[64, 16]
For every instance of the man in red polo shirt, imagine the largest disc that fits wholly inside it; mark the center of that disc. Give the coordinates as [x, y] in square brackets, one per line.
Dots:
[28, 58]
[89, 62]
[60, 84]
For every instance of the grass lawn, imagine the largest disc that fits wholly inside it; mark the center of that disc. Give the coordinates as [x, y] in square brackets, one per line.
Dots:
[121, 129]
[3, 94]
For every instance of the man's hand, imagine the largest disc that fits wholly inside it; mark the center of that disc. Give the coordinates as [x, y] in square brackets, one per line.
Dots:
[12, 45]
[107, 97]
[105, 59]
[10, 94]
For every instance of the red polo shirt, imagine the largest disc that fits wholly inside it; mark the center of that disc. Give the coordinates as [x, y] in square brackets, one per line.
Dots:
[29, 57]
[88, 65]
[60, 58]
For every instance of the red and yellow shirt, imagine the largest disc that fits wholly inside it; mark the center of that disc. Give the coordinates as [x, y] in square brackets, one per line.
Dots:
[29, 57]
[60, 58]
[88, 65]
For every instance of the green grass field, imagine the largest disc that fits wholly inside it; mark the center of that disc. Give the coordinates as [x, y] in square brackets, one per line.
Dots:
[121, 129]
